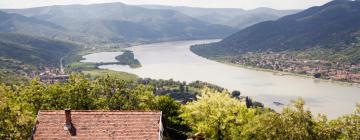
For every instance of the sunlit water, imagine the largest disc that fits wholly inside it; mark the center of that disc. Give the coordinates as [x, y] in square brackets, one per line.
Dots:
[175, 60]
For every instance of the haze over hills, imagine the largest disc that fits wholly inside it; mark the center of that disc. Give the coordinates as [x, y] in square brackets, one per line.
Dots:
[117, 22]
[19, 24]
[30, 37]
[24, 32]
[237, 18]
[121, 60]
[16, 23]
[334, 26]
[31, 40]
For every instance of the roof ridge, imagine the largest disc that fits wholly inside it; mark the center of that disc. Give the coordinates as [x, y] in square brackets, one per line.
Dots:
[99, 124]
[157, 111]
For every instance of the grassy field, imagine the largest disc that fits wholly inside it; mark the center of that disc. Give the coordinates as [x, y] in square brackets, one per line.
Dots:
[103, 73]
[94, 72]
[92, 69]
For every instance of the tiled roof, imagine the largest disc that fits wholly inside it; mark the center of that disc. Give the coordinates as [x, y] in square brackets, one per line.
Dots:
[131, 125]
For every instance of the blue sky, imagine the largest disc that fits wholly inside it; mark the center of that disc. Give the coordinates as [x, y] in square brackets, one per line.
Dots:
[245, 4]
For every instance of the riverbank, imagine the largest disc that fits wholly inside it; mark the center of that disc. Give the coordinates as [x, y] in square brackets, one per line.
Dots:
[160, 61]
[281, 73]
[94, 71]
[275, 72]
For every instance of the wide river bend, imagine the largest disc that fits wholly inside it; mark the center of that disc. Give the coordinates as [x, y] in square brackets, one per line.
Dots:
[175, 60]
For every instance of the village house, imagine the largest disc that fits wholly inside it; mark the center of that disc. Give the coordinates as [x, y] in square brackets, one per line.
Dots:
[92, 124]
[52, 75]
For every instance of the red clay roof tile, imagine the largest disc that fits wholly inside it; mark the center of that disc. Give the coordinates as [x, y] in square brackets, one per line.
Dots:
[125, 125]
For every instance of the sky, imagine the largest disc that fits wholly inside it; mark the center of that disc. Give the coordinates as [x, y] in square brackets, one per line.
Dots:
[244, 4]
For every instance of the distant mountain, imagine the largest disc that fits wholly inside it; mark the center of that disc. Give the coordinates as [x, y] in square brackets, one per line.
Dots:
[19, 24]
[16, 23]
[117, 22]
[335, 26]
[237, 18]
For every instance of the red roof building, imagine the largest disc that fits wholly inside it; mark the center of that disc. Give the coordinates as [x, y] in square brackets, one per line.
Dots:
[88, 125]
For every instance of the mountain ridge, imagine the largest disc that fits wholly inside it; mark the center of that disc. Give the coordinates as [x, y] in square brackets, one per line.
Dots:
[239, 18]
[100, 19]
[334, 25]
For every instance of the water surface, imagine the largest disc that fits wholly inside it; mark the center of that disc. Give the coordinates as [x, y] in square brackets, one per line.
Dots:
[175, 60]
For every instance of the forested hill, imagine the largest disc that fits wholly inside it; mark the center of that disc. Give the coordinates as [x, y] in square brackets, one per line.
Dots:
[33, 50]
[335, 26]
[22, 54]
[11, 22]
[117, 22]
[15, 23]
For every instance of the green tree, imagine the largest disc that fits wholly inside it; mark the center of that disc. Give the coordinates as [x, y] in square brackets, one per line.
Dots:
[265, 126]
[173, 124]
[33, 94]
[77, 93]
[350, 125]
[297, 121]
[236, 94]
[217, 115]
[326, 130]
[16, 117]
[294, 122]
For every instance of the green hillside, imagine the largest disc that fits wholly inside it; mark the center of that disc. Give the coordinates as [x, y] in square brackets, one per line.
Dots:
[22, 54]
[15, 23]
[333, 27]
[33, 50]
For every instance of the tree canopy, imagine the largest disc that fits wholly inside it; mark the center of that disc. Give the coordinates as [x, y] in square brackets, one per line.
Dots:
[214, 114]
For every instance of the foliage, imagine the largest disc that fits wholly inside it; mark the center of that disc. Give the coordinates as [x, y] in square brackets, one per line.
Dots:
[19, 105]
[91, 70]
[79, 66]
[128, 58]
[16, 118]
[173, 124]
[13, 71]
[180, 91]
[213, 114]
[98, 73]
[349, 125]
[217, 115]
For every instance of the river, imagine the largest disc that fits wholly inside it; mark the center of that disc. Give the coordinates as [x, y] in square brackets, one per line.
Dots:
[174, 60]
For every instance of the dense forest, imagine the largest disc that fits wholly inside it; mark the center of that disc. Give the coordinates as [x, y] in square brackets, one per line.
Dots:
[214, 113]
